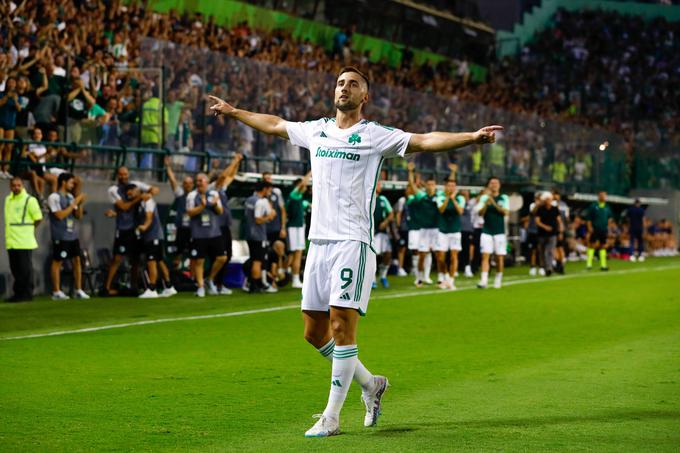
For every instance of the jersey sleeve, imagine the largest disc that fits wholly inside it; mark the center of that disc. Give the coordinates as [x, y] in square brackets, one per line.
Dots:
[390, 142]
[461, 201]
[113, 194]
[296, 194]
[53, 202]
[149, 205]
[388, 206]
[261, 207]
[191, 201]
[481, 203]
[144, 187]
[504, 202]
[299, 133]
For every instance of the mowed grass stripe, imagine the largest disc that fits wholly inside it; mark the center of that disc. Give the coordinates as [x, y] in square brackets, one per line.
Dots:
[289, 305]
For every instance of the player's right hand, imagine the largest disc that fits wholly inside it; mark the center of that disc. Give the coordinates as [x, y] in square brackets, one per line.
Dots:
[220, 106]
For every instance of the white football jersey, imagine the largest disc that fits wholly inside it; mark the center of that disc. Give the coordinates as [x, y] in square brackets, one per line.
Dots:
[345, 169]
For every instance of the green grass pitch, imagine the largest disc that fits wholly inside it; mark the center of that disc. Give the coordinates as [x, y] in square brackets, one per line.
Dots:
[587, 362]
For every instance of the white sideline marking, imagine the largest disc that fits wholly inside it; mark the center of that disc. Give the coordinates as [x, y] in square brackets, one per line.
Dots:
[297, 305]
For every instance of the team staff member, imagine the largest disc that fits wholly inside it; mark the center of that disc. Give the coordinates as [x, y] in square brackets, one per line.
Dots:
[451, 207]
[204, 208]
[65, 211]
[549, 223]
[225, 178]
[150, 231]
[598, 217]
[258, 211]
[296, 207]
[126, 242]
[22, 215]
[276, 228]
[182, 220]
[493, 206]
[382, 216]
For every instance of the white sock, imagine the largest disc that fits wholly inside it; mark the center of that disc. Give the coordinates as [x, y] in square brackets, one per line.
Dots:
[344, 364]
[448, 278]
[419, 275]
[414, 260]
[383, 271]
[440, 277]
[428, 266]
[499, 276]
[468, 269]
[362, 376]
[485, 278]
[296, 278]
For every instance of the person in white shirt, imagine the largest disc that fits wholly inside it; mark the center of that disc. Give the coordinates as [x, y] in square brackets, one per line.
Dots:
[347, 153]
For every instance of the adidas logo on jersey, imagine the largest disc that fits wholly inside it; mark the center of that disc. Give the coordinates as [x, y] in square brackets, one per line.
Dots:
[334, 154]
[345, 296]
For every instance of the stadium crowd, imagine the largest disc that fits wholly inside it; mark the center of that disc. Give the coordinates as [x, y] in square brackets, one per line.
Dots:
[76, 69]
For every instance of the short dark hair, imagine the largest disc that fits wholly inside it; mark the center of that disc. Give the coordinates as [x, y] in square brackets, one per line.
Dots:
[491, 178]
[353, 69]
[63, 178]
[261, 185]
[129, 187]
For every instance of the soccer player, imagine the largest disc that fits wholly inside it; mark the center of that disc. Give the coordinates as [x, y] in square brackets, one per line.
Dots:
[598, 217]
[126, 242]
[451, 206]
[493, 206]
[428, 215]
[204, 208]
[65, 211]
[382, 216]
[346, 154]
[401, 219]
[296, 207]
[258, 212]
[182, 219]
[150, 231]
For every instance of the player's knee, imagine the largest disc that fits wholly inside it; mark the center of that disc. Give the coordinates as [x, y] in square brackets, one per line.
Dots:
[314, 337]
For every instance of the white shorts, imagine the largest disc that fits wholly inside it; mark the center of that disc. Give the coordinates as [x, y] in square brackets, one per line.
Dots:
[413, 239]
[296, 238]
[382, 243]
[338, 274]
[496, 243]
[448, 241]
[56, 171]
[428, 239]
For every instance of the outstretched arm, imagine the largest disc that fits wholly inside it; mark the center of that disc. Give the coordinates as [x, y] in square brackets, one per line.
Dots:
[444, 141]
[229, 173]
[269, 124]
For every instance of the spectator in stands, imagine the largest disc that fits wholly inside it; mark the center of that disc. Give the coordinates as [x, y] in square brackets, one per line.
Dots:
[66, 210]
[153, 121]
[22, 214]
[636, 220]
[204, 207]
[9, 107]
[80, 101]
[258, 211]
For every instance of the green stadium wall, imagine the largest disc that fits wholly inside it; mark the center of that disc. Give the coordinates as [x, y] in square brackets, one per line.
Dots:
[509, 43]
[230, 13]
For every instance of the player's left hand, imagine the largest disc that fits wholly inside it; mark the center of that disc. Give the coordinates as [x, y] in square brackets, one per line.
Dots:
[487, 134]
